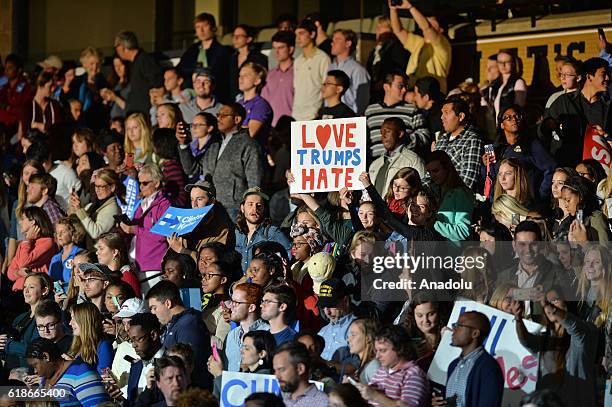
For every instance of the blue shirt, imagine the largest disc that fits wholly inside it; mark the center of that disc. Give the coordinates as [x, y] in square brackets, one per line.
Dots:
[357, 97]
[262, 234]
[457, 382]
[233, 342]
[106, 353]
[335, 334]
[62, 270]
[283, 336]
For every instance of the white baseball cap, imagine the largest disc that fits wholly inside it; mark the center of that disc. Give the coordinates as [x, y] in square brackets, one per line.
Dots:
[132, 307]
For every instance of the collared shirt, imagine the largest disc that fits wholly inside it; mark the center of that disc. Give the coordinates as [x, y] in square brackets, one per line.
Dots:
[524, 279]
[146, 202]
[357, 95]
[258, 109]
[146, 365]
[270, 233]
[335, 334]
[233, 342]
[279, 92]
[417, 133]
[311, 397]
[191, 108]
[407, 384]
[225, 139]
[308, 77]
[465, 151]
[54, 210]
[457, 382]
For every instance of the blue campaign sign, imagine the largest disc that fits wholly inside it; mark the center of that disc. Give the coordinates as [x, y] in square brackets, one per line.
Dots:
[131, 197]
[192, 298]
[179, 221]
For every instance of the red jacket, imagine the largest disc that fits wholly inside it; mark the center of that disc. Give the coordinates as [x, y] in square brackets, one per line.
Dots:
[33, 254]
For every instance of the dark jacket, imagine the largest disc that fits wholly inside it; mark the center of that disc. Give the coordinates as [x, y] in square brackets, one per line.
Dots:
[393, 58]
[145, 74]
[507, 96]
[25, 332]
[188, 327]
[218, 57]
[485, 384]
[148, 396]
[234, 70]
[569, 119]
[239, 167]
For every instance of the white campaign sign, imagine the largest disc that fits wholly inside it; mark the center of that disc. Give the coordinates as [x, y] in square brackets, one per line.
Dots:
[327, 155]
[237, 386]
[518, 365]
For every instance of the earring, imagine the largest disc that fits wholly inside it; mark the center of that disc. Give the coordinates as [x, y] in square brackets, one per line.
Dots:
[260, 362]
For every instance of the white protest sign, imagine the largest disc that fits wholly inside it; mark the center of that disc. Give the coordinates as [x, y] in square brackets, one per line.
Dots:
[327, 155]
[237, 386]
[518, 365]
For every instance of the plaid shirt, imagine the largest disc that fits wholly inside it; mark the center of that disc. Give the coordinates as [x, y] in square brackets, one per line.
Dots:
[53, 210]
[465, 151]
[457, 382]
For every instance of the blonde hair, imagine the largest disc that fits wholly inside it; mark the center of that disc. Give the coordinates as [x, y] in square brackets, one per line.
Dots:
[76, 228]
[22, 189]
[89, 319]
[505, 206]
[604, 288]
[499, 294]
[362, 237]
[89, 52]
[383, 20]
[521, 182]
[145, 137]
[605, 188]
[260, 72]
[171, 109]
[368, 327]
[73, 289]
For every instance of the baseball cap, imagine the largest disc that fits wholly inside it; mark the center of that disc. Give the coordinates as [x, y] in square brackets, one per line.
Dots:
[320, 268]
[331, 292]
[205, 72]
[52, 61]
[132, 307]
[204, 184]
[98, 268]
[255, 191]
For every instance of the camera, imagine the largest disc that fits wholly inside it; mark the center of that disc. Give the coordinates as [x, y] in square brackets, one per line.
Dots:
[396, 2]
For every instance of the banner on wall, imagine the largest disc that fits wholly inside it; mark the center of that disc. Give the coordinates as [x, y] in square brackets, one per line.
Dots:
[327, 155]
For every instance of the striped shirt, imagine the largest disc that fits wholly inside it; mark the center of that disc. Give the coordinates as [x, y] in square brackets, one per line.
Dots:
[409, 384]
[174, 182]
[82, 384]
[417, 133]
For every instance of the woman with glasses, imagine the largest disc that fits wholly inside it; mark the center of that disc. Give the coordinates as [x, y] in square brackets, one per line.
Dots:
[509, 88]
[90, 342]
[571, 80]
[149, 248]
[216, 278]
[532, 155]
[98, 217]
[204, 132]
[37, 287]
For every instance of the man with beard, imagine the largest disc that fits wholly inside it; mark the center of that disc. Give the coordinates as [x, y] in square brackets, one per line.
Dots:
[253, 225]
[205, 101]
[292, 369]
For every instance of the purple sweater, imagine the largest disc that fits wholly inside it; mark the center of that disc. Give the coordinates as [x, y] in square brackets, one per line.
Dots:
[150, 247]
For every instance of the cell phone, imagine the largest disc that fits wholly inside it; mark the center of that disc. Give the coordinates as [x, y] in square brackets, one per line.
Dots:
[130, 359]
[580, 216]
[527, 294]
[601, 33]
[57, 286]
[215, 352]
[129, 160]
[489, 149]
[516, 218]
[187, 129]
[352, 381]
[396, 2]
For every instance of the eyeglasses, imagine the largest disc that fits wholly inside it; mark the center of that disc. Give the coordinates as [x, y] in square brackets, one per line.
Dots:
[91, 279]
[101, 186]
[144, 183]
[399, 86]
[567, 75]
[583, 174]
[208, 276]
[298, 244]
[457, 324]
[508, 117]
[400, 188]
[234, 303]
[49, 327]
[137, 340]
[266, 302]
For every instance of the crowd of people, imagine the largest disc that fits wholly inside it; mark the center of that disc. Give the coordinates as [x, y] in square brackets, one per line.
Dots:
[94, 303]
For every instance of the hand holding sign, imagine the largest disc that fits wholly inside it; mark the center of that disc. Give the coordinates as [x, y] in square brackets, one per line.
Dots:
[326, 155]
